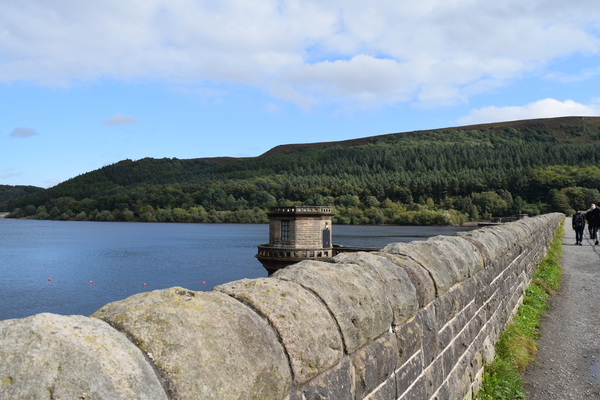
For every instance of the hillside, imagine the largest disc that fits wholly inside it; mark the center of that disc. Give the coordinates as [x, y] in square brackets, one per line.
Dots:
[563, 129]
[439, 176]
[10, 193]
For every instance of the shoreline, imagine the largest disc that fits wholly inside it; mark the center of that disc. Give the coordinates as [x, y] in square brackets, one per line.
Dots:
[470, 224]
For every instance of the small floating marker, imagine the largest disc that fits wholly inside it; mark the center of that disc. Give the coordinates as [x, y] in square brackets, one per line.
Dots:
[204, 282]
[91, 282]
[49, 279]
[144, 284]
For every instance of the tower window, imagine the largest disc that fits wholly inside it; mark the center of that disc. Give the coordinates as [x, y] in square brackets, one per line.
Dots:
[285, 231]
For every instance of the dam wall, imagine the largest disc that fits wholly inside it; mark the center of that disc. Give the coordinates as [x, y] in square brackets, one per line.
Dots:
[413, 321]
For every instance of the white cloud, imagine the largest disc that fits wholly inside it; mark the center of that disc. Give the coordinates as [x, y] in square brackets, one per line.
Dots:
[10, 175]
[272, 108]
[308, 52]
[580, 76]
[120, 119]
[546, 108]
[23, 132]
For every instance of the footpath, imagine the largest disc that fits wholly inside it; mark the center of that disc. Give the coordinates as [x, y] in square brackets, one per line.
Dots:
[568, 360]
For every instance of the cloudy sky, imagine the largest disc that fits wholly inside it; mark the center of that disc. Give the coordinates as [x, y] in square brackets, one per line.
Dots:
[84, 84]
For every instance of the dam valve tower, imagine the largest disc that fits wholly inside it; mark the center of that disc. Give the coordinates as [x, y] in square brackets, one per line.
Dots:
[296, 233]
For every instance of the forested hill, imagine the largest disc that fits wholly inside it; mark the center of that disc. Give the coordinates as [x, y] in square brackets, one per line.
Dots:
[440, 176]
[10, 193]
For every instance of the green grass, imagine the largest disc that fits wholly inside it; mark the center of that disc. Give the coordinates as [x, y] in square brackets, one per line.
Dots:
[517, 346]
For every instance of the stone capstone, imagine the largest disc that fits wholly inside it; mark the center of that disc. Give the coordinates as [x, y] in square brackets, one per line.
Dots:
[374, 363]
[308, 332]
[464, 252]
[495, 244]
[437, 258]
[399, 290]
[356, 300]
[49, 356]
[207, 344]
[419, 276]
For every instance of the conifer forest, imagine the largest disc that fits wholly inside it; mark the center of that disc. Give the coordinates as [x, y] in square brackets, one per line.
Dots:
[441, 177]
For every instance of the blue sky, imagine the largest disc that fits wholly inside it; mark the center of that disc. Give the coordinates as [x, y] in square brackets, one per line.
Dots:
[86, 84]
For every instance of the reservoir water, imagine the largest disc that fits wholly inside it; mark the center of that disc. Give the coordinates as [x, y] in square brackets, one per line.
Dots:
[77, 267]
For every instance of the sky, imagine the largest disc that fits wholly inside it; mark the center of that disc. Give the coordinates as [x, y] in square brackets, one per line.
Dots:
[84, 84]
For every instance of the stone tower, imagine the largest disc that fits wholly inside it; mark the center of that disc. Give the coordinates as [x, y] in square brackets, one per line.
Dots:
[296, 233]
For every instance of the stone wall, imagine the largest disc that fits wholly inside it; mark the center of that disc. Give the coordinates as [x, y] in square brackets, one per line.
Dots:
[413, 321]
[305, 232]
[308, 233]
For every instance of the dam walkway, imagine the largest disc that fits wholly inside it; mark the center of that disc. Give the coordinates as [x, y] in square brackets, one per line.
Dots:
[568, 361]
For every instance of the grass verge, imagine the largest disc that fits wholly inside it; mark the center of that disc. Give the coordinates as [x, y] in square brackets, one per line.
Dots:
[517, 346]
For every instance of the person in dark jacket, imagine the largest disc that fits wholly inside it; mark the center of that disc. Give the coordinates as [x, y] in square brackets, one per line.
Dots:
[578, 223]
[593, 218]
[590, 229]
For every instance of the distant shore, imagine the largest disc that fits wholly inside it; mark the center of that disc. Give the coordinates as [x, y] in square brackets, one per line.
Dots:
[466, 224]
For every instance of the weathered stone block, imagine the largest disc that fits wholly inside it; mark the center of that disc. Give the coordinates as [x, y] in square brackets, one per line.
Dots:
[483, 251]
[433, 257]
[450, 356]
[418, 391]
[49, 356]
[334, 384]
[452, 389]
[489, 352]
[356, 300]
[430, 334]
[464, 317]
[434, 376]
[308, 332]
[386, 391]
[494, 245]
[453, 353]
[399, 290]
[466, 255]
[410, 338]
[421, 279]
[409, 373]
[209, 345]
[443, 393]
[445, 336]
[481, 288]
[454, 301]
[374, 363]
[474, 326]
[470, 364]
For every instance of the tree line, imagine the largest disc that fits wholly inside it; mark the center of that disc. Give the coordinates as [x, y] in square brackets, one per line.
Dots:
[440, 177]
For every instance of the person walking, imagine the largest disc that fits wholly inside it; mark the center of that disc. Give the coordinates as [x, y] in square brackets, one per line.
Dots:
[578, 222]
[593, 218]
[590, 229]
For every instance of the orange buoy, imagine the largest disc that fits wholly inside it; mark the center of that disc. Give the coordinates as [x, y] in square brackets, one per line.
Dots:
[91, 281]
[49, 279]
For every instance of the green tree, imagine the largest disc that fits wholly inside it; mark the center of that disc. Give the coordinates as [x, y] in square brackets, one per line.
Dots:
[54, 212]
[490, 204]
[30, 210]
[558, 201]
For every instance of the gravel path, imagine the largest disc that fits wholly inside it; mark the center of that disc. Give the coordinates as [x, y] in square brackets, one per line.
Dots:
[568, 360]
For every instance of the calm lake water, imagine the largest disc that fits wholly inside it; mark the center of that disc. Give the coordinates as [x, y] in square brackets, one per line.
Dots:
[77, 267]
